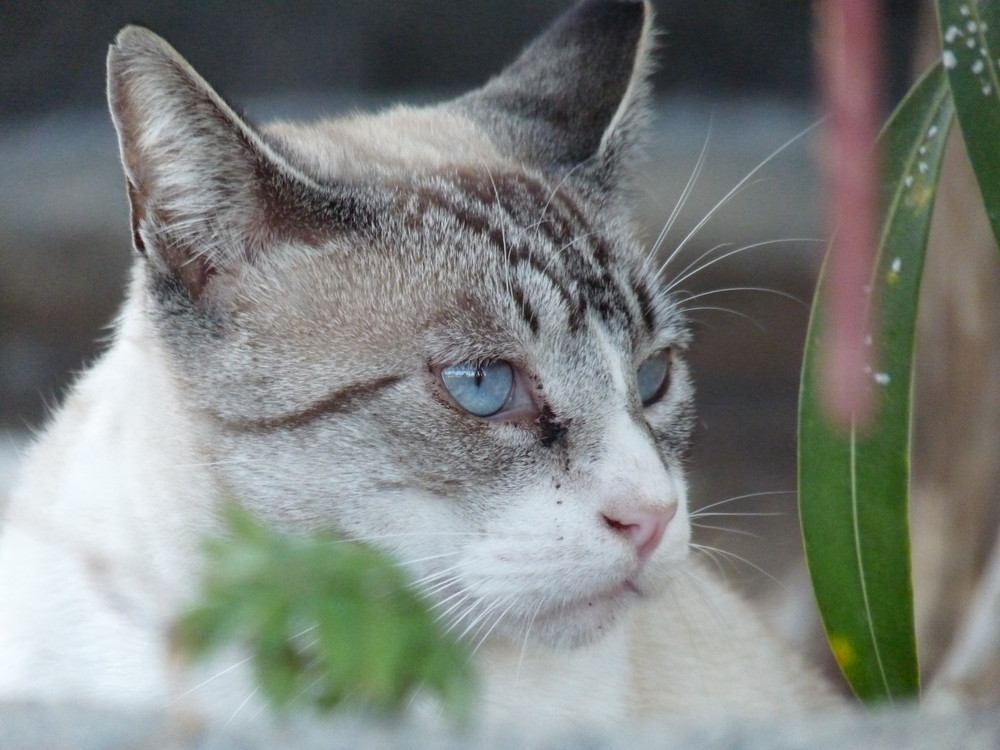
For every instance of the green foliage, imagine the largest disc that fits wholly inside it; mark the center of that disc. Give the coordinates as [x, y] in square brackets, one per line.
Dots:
[327, 622]
[970, 35]
[854, 487]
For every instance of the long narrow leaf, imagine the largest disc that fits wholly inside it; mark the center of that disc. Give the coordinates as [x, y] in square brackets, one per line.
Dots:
[853, 486]
[970, 36]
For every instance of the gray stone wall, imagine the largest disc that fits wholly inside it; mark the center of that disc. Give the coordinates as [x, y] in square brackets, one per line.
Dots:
[40, 727]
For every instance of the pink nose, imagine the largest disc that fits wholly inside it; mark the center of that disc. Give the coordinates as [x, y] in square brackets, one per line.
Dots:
[643, 527]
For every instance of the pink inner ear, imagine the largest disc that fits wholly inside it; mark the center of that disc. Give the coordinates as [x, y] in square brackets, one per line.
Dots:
[193, 269]
[138, 209]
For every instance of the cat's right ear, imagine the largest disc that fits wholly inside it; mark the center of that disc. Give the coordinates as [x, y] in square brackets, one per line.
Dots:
[574, 103]
[208, 194]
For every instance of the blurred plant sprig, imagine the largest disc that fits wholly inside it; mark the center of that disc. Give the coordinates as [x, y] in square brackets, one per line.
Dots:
[326, 622]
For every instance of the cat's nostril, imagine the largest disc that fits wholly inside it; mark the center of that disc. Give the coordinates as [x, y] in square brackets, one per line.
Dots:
[643, 527]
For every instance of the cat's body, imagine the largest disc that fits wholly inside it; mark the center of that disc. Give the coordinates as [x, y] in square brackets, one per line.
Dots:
[431, 329]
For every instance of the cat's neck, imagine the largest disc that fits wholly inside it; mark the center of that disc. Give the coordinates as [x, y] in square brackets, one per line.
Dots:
[123, 455]
[558, 686]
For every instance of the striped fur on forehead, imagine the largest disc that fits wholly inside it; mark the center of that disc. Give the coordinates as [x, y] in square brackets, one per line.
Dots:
[546, 241]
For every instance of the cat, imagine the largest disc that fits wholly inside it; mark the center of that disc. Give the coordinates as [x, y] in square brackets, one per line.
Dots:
[433, 329]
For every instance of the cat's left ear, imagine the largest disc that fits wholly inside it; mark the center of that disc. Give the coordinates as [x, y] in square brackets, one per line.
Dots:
[209, 196]
[576, 98]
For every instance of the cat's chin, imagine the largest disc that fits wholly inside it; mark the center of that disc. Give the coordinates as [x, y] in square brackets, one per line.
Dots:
[584, 621]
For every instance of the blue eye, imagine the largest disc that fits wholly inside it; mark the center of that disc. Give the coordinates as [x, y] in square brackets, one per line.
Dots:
[653, 377]
[482, 390]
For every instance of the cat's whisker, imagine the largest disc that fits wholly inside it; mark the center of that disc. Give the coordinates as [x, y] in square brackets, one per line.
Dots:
[479, 621]
[404, 534]
[463, 599]
[309, 645]
[698, 227]
[697, 514]
[701, 588]
[496, 622]
[739, 558]
[214, 677]
[524, 642]
[240, 707]
[438, 556]
[690, 632]
[454, 622]
[711, 554]
[434, 582]
[715, 308]
[691, 264]
[741, 532]
[733, 289]
[743, 497]
[689, 271]
[260, 709]
[479, 613]
[306, 689]
[682, 200]
[436, 575]
[739, 187]
[443, 602]
[235, 665]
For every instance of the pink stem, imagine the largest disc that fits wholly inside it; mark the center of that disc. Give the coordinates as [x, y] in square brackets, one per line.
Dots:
[849, 73]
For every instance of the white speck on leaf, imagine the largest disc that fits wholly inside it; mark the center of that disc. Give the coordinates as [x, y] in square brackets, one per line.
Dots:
[970, 42]
[952, 34]
[897, 264]
[882, 378]
[932, 131]
[908, 180]
[977, 67]
[987, 89]
[964, 10]
[948, 58]
[972, 26]
[922, 166]
[922, 150]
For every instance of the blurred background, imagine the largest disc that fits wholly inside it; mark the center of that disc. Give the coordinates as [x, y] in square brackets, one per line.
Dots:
[736, 76]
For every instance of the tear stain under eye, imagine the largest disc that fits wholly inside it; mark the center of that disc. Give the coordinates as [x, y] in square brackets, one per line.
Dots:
[553, 430]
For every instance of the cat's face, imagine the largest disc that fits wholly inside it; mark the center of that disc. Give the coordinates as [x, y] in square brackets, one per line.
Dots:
[432, 330]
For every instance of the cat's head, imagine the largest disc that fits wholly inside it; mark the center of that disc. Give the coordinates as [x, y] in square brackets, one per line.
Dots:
[433, 329]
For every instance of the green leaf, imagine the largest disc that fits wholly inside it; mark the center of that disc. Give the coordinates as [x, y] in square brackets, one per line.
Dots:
[970, 37]
[853, 486]
[326, 622]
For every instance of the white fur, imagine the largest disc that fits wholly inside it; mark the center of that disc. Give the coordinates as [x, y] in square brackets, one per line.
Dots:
[510, 524]
[99, 552]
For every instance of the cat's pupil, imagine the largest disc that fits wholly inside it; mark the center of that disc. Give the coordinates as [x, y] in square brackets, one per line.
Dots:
[652, 377]
[482, 390]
